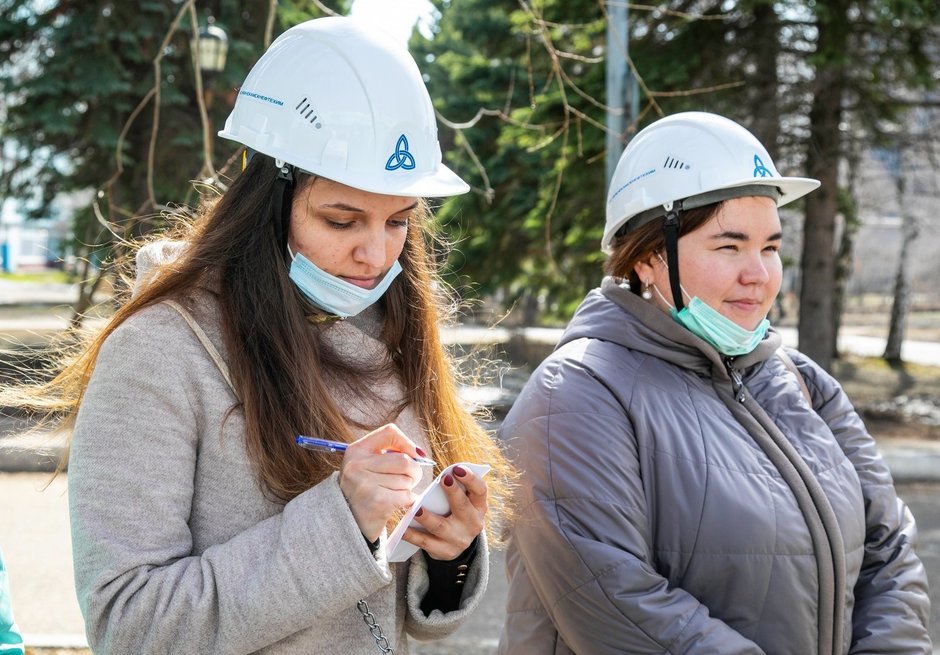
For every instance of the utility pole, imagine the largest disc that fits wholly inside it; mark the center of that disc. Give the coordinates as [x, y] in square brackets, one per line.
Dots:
[622, 97]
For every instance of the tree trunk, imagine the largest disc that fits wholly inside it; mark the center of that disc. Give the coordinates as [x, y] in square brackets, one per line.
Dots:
[764, 85]
[848, 207]
[816, 325]
[902, 280]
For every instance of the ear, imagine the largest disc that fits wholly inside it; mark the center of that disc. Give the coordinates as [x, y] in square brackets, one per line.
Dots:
[645, 267]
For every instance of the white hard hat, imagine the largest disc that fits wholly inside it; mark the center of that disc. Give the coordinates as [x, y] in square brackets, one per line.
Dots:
[698, 158]
[345, 101]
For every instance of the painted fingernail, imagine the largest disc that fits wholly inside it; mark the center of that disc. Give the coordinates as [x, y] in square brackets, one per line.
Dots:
[419, 512]
[448, 481]
[420, 452]
[459, 471]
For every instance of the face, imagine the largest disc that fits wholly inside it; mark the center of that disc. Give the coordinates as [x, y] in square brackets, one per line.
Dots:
[732, 262]
[352, 234]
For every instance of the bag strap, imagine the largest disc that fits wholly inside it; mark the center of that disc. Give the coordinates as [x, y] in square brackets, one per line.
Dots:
[791, 366]
[206, 342]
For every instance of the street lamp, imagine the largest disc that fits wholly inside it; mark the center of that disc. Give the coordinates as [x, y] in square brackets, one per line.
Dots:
[211, 47]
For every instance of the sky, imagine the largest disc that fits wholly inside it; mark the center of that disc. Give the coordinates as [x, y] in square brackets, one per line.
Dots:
[395, 16]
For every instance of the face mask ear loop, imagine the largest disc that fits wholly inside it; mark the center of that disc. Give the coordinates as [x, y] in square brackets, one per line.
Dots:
[283, 200]
[671, 233]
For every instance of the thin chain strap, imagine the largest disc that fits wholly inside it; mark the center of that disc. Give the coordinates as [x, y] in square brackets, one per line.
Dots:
[374, 629]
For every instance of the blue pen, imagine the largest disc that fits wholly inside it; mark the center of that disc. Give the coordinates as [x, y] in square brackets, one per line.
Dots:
[326, 445]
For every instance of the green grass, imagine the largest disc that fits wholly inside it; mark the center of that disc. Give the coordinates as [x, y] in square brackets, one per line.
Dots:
[870, 379]
[51, 275]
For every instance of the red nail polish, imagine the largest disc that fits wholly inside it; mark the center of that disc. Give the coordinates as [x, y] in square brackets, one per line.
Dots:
[459, 471]
[448, 481]
[420, 452]
[419, 512]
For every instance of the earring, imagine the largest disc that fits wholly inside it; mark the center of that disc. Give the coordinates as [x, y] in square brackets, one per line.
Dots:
[646, 294]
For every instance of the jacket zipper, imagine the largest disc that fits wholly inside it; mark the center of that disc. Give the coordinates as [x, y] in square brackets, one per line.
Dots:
[737, 383]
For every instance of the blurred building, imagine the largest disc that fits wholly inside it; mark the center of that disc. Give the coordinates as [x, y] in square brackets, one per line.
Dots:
[28, 244]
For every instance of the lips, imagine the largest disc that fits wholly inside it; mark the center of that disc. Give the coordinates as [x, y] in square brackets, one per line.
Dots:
[363, 282]
[744, 304]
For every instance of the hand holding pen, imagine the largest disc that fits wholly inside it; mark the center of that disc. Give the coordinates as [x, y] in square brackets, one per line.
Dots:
[325, 445]
[377, 476]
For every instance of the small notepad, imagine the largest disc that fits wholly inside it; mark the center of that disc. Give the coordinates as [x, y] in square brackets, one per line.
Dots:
[434, 500]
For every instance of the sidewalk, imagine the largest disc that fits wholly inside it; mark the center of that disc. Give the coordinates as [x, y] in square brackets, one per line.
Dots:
[16, 292]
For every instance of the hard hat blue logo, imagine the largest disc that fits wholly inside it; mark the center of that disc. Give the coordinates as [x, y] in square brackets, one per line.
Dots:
[401, 158]
[760, 170]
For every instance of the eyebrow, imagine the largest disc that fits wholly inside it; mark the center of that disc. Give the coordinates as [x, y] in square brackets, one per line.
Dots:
[349, 208]
[741, 236]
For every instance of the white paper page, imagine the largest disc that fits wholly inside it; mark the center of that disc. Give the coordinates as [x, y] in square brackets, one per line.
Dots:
[434, 500]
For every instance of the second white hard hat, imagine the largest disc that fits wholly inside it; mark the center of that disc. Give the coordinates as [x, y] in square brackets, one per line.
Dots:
[691, 156]
[345, 101]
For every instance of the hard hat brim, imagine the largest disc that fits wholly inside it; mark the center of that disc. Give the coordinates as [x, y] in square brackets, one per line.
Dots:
[440, 183]
[791, 188]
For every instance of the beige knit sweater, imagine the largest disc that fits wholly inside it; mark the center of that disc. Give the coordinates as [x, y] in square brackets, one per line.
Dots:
[176, 548]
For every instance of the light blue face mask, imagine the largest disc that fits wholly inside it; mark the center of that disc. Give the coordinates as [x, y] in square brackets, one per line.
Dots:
[707, 323]
[333, 294]
[728, 338]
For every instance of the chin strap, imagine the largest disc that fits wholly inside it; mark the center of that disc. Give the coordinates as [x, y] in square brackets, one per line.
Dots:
[671, 232]
[283, 199]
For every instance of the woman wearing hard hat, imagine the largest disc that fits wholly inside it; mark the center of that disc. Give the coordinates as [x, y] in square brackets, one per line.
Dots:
[302, 303]
[688, 486]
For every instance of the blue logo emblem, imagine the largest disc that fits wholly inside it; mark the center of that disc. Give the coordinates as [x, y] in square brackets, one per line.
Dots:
[401, 158]
[759, 169]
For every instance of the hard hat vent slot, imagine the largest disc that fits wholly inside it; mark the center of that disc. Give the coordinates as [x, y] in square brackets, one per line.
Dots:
[307, 111]
[672, 162]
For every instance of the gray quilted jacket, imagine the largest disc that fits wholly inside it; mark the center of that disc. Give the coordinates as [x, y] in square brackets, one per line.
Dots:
[673, 502]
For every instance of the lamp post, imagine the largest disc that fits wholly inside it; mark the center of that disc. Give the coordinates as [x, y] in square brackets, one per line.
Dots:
[209, 49]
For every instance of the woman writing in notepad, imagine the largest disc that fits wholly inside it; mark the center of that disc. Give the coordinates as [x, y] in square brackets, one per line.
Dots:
[301, 302]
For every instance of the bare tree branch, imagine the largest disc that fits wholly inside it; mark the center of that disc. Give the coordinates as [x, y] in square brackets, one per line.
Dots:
[326, 10]
[269, 23]
[151, 153]
[207, 169]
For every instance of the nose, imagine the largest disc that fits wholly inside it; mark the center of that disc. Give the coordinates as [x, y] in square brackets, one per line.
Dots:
[370, 249]
[756, 269]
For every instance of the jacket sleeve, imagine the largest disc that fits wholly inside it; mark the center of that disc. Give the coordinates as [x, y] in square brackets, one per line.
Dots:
[11, 641]
[582, 532]
[891, 601]
[438, 625]
[141, 588]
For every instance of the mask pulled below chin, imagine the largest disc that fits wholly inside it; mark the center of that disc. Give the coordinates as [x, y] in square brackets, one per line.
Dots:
[725, 335]
[333, 294]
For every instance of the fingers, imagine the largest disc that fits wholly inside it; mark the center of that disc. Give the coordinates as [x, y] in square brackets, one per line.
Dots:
[474, 486]
[388, 438]
[375, 482]
[436, 547]
[391, 464]
[445, 537]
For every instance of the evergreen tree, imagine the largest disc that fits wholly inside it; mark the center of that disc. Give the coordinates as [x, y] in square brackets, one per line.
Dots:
[800, 75]
[530, 231]
[79, 80]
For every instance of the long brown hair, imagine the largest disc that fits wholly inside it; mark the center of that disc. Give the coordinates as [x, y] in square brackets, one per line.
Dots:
[637, 246]
[233, 249]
